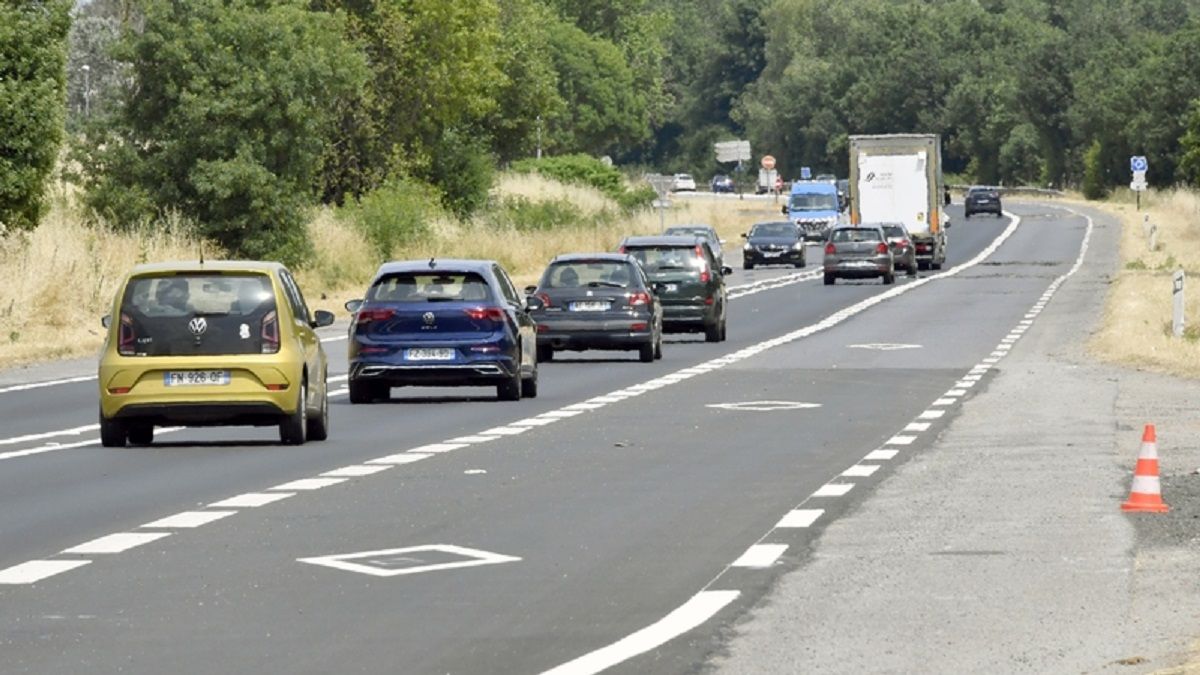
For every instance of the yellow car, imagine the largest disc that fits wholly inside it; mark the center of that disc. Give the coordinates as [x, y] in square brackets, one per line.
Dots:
[208, 344]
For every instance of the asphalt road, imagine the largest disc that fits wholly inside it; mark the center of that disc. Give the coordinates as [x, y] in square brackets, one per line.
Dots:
[617, 511]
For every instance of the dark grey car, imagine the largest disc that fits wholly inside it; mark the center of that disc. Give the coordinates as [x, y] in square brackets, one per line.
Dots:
[700, 230]
[774, 243]
[858, 252]
[904, 254]
[596, 301]
[983, 200]
[688, 280]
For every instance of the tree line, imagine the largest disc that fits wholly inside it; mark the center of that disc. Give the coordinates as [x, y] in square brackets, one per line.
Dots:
[242, 114]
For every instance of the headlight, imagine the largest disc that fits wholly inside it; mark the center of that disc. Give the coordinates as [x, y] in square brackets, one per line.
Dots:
[798, 246]
[747, 247]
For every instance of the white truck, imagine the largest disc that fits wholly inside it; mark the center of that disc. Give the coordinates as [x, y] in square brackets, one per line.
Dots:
[897, 178]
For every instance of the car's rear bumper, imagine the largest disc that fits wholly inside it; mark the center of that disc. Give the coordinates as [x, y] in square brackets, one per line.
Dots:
[476, 373]
[200, 414]
[687, 318]
[859, 268]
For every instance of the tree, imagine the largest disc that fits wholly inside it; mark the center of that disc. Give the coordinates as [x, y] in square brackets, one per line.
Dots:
[33, 53]
[1189, 162]
[226, 121]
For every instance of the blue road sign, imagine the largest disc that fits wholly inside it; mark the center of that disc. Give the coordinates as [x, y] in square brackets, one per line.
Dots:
[805, 173]
[1138, 163]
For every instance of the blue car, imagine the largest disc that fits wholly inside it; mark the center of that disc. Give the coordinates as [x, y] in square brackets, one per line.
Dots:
[442, 323]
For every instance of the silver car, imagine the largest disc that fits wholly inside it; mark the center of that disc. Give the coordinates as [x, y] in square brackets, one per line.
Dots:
[858, 252]
[903, 252]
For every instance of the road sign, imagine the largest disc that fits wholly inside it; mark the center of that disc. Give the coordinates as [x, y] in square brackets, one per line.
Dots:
[661, 203]
[1138, 163]
[768, 162]
[1139, 184]
[805, 173]
[732, 151]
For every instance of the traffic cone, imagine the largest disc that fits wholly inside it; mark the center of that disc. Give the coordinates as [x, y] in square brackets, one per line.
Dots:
[1146, 493]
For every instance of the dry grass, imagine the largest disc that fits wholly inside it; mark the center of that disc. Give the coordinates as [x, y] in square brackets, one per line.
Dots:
[56, 281]
[1136, 327]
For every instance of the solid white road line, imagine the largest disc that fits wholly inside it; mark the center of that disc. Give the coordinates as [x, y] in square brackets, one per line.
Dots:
[36, 570]
[760, 555]
[251, 500]
[305, 484]
[189, 519]
[800, 518]
[50, 434]
[700, 608]
[116, 543]
[48, 383]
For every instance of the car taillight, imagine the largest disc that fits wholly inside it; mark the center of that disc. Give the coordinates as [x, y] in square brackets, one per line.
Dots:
[704, 273]
[369, 315]
[638, 299]
[270, 333]
[830, 249]
[904, 243]
[126, 337]
[881, 248]
[709, 300]
[485, 313]
[544, 299]
[639, 326]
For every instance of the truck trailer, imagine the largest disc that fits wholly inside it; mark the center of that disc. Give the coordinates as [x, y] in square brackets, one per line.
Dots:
[897, 178]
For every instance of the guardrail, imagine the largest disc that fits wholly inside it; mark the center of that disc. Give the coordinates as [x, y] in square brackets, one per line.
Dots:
[1015, 190]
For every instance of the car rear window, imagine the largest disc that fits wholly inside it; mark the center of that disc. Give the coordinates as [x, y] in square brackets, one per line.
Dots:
[435, 286]
[199, 314]
[593, 273]
[774, 230]
[894, 231]
[855, 234]
[668, 258]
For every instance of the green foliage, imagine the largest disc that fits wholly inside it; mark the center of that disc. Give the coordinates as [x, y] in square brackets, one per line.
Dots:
[33, 52]
[1189, 163]
[589, 171]
[463, 171]
[1094, 183]
[226, 122]
[398, 212]
[528, 215]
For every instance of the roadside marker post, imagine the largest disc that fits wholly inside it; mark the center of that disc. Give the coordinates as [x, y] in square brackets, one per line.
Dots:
[1177, 318]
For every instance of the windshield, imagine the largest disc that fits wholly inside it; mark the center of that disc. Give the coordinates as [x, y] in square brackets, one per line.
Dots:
[813, 202]
[592, 274]
[668, 258]
[696, 231]
[774, 230]
[198, 314]
[429, 287]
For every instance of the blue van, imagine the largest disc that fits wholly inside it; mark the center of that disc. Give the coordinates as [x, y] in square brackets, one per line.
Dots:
[813, 206]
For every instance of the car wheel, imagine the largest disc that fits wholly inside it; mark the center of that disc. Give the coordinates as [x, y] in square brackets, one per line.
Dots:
[529, 386]
[722, 330]
[293, 429]
[545, 353]
[968, 214]
[510, 389]
[112, 433]
[912, 270]
[800, 264]
[318, 426]
[141, 433]
[712, 332]
[365, 392]
[658, 348]
[889, 278]
[748, 266]
[646, 352]
[829, 279]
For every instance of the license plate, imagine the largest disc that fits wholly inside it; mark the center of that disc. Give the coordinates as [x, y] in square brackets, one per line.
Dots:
[591, 306]
[194, 378]
[428, 354]
[860, 263]
[772, 254]
[671, 288]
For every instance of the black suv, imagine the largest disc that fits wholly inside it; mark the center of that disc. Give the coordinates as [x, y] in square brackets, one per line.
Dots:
[983, 200]
[689, 282]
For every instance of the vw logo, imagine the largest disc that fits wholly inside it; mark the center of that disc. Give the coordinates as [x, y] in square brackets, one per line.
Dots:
[198, 325]
[428, 318]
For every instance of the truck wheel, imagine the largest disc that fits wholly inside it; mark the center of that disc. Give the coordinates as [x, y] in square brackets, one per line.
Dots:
[829, 279]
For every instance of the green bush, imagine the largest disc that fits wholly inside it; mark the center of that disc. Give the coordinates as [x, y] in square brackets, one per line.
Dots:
[1094, 184]
[463, 170]
[398, 212]
[528, 215]
[589, 171]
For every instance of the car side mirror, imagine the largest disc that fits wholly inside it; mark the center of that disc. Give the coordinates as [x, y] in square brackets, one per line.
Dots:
[947, 223]
[726, 271]
[947, 198]
[783, 210]
[744, 236]
[321, 318]
[532, 303]
[530, 290]
[353, 306]
[106, 320]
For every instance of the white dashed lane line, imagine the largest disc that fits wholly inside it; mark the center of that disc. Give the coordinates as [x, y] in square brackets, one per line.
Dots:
[251, 500]
[116, 543]
[800, 518]
[188, 519]
[35, 570]
[760, 556]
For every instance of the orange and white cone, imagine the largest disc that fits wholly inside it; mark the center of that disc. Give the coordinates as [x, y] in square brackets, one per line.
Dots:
[1146, 493]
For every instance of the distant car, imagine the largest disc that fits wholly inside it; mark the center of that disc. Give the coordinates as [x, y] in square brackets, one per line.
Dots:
[858, 252]
[442, 323]
[596, 301]
[683, 182]
[721, 183]
[700, 230]
[904, 254]
[983, 200]
[689, 282]
[212, 343]
[773, 243]
[843, 190]
[826, 178]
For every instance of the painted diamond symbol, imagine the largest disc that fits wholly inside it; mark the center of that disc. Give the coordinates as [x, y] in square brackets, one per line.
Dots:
[411, 560]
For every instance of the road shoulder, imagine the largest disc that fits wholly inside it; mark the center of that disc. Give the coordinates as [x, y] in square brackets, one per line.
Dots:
[1002, 547]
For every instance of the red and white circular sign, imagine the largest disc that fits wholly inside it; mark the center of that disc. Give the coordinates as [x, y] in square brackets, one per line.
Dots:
[768, 162]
